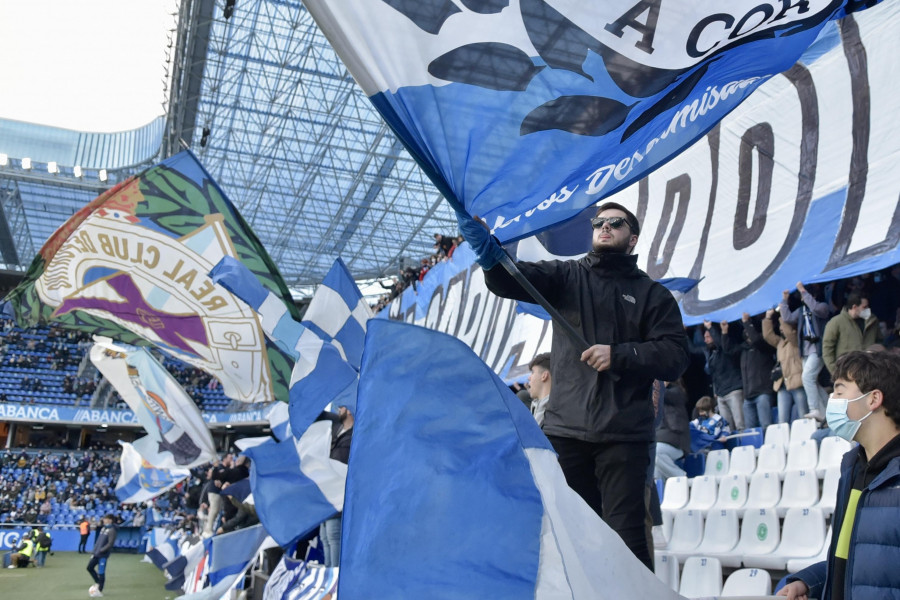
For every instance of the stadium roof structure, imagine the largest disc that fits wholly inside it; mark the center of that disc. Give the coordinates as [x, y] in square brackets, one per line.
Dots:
[258, 94]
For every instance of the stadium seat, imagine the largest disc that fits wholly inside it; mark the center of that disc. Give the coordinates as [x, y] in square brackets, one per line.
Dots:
[666, 568]
[720, 533]
[760, 535]
[748, 582]
[675, 495]
[800, 490]
[701, 577]
[831, 452]
[802, 536]
[703, 494]
[743, 461]
[802, 456]
[732, 492]
[829, 491]
[797, 564]
[764, 492]
[778, 433]
[771, 459]
[716, 463]
[687, 532]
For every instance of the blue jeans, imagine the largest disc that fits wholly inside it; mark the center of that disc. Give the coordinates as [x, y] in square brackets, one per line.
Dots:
[816, 397]
[330, 532]
[758, 411]
[40, 558]
[666, 456]
[787, 399]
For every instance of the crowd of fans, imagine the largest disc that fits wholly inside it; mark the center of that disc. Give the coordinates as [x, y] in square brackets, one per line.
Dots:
[410, 275]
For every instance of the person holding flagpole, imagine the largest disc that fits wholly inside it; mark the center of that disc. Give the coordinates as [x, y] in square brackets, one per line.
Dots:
[599, 417]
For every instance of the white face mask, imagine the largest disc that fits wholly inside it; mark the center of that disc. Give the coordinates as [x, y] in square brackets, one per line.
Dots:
[865, 313]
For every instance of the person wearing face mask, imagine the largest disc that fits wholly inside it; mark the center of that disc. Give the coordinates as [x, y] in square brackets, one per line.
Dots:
[865, 545]
[855, 328]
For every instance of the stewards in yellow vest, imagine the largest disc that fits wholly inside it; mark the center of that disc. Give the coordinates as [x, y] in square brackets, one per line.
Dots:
[22, 554]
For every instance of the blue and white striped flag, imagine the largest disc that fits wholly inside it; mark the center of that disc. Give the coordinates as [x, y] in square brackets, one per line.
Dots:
[454, 492]
[320, 374]
[279, 420]
[295, 483]
[140, 481]
[163, 546]
[338, 313]
[229, 557]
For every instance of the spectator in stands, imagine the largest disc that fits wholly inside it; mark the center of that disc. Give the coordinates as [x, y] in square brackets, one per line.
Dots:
[598, 418]
[810, 318]
[673, 435]
[854, 328]
[442, 244]
[539, 382]
[789, 386]
[709, 430]
[864, 407]
[341, 436]
[725, 372]
[756, 375]
[102, 549]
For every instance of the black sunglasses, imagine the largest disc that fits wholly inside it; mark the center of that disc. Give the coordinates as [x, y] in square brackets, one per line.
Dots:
[614, 222]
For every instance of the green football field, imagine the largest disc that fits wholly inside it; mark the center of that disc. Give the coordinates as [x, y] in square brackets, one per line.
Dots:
[64, 578]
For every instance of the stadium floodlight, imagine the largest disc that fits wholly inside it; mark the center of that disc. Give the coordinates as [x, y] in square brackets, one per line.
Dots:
[103, 175]
[26, 164]
[78, 172]
[4, 160]
[52, 168]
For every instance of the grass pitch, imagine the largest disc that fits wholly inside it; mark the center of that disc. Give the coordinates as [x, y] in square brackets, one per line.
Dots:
[64, 578]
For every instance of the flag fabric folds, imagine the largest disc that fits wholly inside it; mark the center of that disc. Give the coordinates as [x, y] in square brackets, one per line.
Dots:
[301, 471]
[178, 436]
[468, 491]
[140, 481]
[228, 556]
[338, 313]
[557, 104]
[320, 374]
[132, 266]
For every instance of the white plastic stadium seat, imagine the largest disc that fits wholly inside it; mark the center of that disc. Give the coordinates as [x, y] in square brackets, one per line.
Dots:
[701, 577]
[829, 491]
[802, 429]
[798, 564]
[717, 463]
[802, 536]
[764, 492]
[771, 459]
[831, 453]
[687, 532]
[720, 534]
[703, 493]
[800, 490]
[666, 569]
[675, 494]
[760, 535]
[802, 456]
[743, 461]
[778, 433]
[748, 582]
[732, 492]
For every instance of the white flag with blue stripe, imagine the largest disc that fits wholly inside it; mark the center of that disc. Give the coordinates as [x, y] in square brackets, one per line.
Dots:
[454, 492]
[338, 313]
[320, 374]
[229, 556]
[140, 481]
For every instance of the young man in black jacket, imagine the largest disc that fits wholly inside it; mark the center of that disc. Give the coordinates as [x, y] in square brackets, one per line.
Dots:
[106, 539]
[600, 417]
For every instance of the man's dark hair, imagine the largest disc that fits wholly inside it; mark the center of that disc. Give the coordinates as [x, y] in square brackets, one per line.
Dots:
[541, 360]
[873, 371]
[853, 299]
[629, 216]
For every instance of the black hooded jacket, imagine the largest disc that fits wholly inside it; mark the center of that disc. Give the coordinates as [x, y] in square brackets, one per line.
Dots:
[610, 301]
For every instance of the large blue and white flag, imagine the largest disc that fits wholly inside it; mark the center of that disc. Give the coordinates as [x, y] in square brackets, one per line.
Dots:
[338, 313]
[163, 546]
[140, 481]
[279, 420]
[229, 557]
[320, 374]
[554, 104]
[299, 580]
[295, 483]
[177, 435]
[454, 492]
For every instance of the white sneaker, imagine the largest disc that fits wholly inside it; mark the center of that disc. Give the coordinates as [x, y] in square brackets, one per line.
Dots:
[815, 414]
[11, 567]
